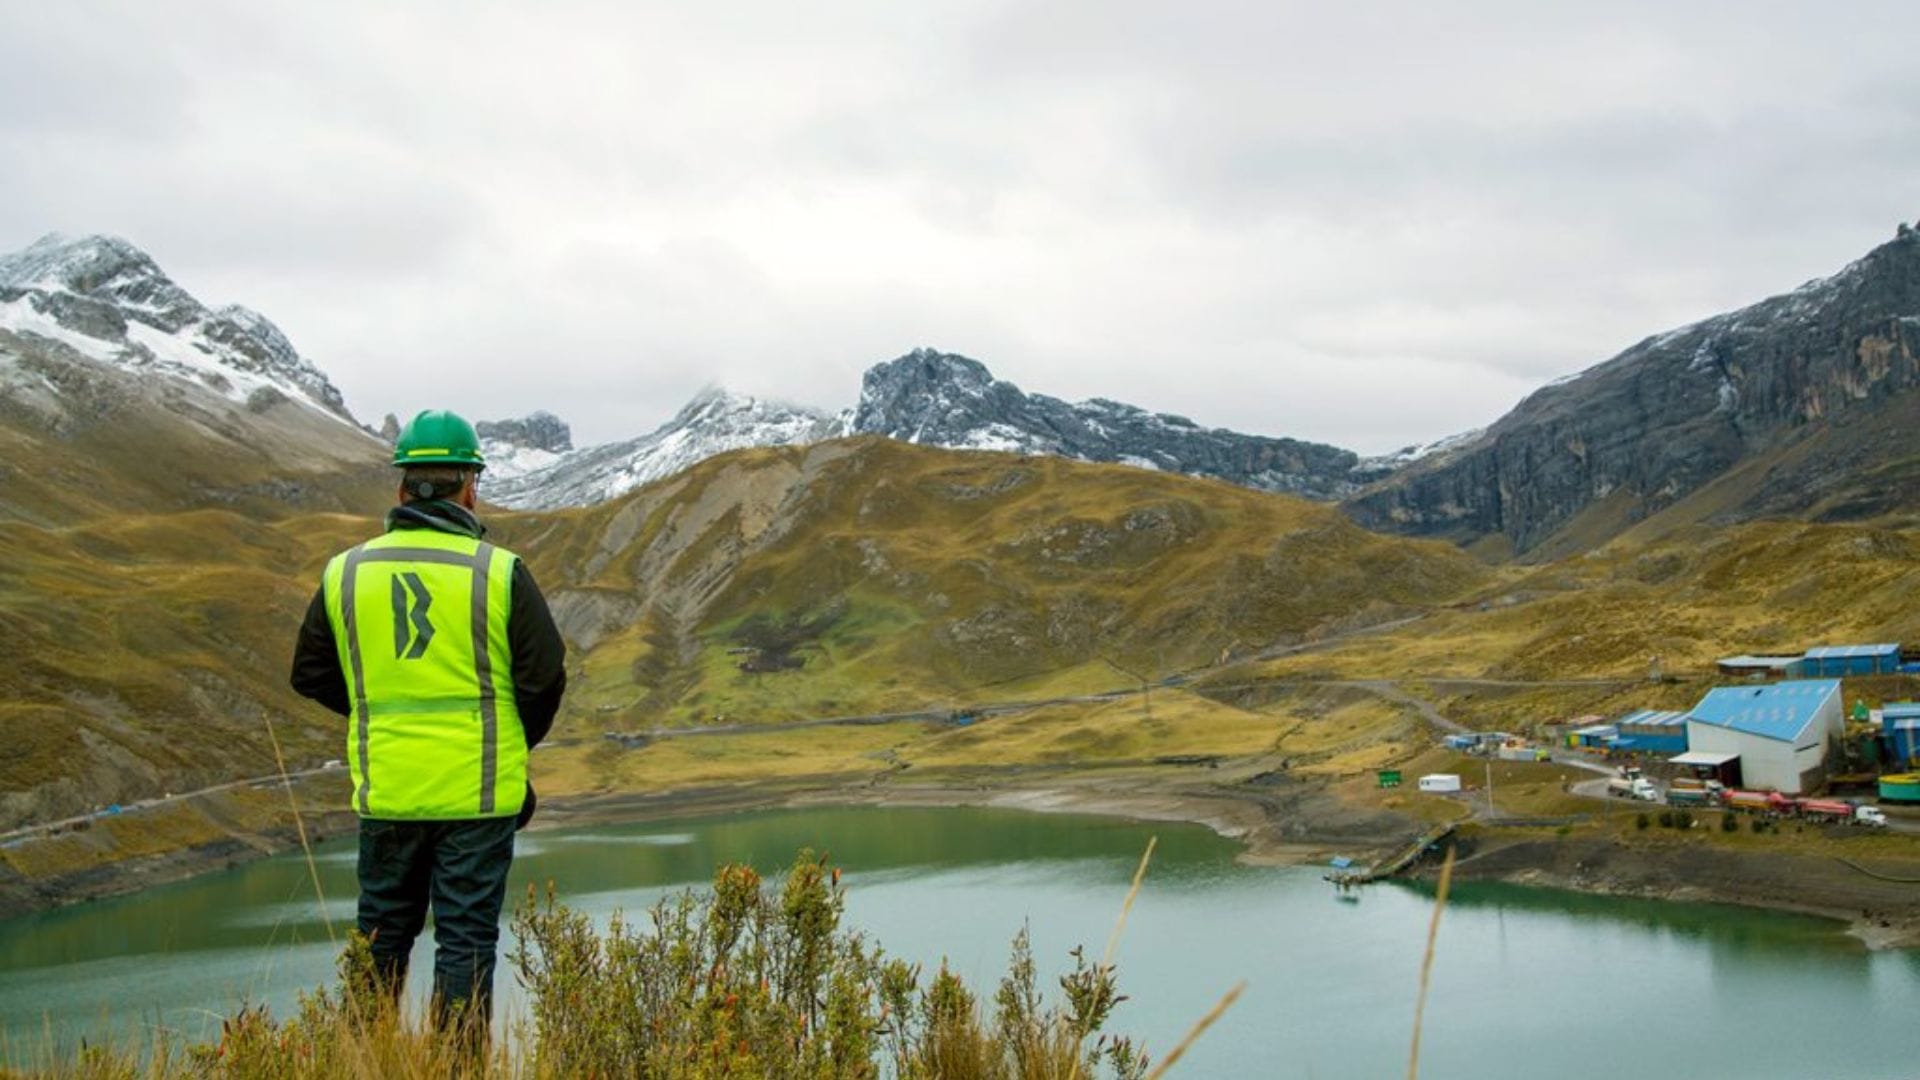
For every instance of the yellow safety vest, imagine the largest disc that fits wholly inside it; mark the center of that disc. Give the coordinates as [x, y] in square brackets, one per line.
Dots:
[420, 617]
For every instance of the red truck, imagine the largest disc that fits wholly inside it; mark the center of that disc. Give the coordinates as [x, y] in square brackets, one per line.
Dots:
[1836, 810]
[1758, 802]
[1826, 810]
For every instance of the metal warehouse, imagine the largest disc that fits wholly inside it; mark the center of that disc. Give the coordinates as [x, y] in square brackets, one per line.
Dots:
[1761, 667]
[1781, 732]
[1593, 737]
[1835, 661]
[1653, 732]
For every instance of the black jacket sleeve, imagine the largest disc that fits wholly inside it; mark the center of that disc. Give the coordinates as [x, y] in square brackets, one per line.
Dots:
[316, 659]
[539, 656]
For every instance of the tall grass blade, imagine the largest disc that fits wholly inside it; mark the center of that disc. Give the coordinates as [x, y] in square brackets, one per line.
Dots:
[300, 827]
[1426, 963]
[1126, 906]
[1198, 1029]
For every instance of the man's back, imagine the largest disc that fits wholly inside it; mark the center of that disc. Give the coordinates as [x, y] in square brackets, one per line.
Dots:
[419, 617]
[440, 650]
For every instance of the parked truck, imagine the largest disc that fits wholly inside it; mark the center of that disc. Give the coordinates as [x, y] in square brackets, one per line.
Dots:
[1633, 787]
[1694, 796]
[1826, 810]
[1695, 783]
[1836, 810]
[1758, 802]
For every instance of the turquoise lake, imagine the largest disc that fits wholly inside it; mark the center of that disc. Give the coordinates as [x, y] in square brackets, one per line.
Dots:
[1526, 983]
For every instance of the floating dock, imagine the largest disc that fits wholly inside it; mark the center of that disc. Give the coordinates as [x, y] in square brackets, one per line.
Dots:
[1348, 876]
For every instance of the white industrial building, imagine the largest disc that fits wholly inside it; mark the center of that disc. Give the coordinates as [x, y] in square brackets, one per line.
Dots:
[1780, 732]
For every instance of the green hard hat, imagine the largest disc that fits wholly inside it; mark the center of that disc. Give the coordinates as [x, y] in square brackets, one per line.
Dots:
[438, 437]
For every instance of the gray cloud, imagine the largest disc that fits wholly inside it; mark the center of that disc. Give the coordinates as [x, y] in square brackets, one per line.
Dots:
[1369, 226]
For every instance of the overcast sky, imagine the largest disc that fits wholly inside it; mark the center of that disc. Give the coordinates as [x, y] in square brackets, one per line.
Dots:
[1370, 226]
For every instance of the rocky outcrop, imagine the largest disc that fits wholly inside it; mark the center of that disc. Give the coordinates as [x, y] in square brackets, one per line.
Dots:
[940, 399]
[1675, 412]
[535, 431]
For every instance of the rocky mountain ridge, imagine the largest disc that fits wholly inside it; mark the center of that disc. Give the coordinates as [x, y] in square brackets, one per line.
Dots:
[938, 399]
[714, 422]
[109, 301]
[517, 447]
[121, 393]
[1781, 389]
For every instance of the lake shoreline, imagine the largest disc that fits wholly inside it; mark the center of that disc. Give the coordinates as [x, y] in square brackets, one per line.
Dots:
[1308, 824]
[1277, 821]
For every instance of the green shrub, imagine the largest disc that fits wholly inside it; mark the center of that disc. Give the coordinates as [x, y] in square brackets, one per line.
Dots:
[1683, 819]
[1666, 819]
[1759, 825]
[1729, 823]
[1642, 820]
[758, 980]
[751, 979]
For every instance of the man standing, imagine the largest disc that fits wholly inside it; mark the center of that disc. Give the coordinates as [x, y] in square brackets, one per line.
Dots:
[440, 650]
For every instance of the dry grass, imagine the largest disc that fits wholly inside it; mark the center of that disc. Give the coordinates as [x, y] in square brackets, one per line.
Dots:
[918, 577]
[1688, 598]
[254, 817]
[1426, 963]
[1115, 732]
[704, 760]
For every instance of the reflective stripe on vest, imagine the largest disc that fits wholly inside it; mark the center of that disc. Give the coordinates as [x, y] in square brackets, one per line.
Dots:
[421, 621]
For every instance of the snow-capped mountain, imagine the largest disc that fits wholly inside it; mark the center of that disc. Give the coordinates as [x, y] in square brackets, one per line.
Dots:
[714, 422]
[109, 302]
[514, 448]
[936, 399]
[941, 399]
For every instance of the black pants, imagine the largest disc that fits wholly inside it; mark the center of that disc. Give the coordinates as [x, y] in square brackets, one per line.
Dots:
[460, 869]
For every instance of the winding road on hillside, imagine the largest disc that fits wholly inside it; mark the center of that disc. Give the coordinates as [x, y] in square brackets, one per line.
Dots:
[27, 832]
[1388, 689]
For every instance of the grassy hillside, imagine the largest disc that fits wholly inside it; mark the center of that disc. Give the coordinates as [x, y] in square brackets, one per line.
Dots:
[80, 441]
[848, 578]
[1688, 598]
[145, 654]
[868, 575]
[158, 542]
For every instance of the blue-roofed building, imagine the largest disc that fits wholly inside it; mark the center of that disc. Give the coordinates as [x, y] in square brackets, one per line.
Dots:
[1762, 667]
[1650, 731]
[1599, 737]
[1781, 732]
[1837, 661]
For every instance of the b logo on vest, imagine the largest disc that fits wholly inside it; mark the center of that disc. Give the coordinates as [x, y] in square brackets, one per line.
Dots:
[412, 633]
